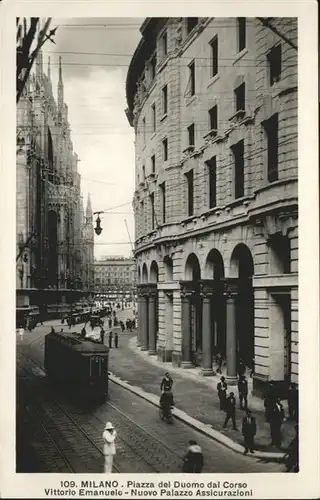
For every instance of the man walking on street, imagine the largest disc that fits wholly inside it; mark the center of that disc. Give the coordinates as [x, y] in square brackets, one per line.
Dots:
[276, 420]
[243, 392]
[222, 392]
[110, 340]
[249, 430]
[109, 449]
[116, 339]
[102, 332]
[230, 409]
[193, 460]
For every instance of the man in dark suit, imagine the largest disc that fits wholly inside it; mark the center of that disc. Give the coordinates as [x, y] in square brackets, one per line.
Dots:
[276, 420]
[248, 431]
[222, 392]
[230, 409]
[243, 392]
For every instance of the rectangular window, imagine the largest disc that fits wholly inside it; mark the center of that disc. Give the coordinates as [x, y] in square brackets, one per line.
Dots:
[274, 62]
[163, 201]
[241, 25]
[153, 164]
[212, 171]
[192, 78]
[153, 64]
[271, 128]
[165, 99]
[213, 118]
[240, 95]
[214, 56]
[164, 44]
[238, 152]
[189, 178]
[154, 123]
[165, 149]
[191, 137]
[191, 23]
[152, 210]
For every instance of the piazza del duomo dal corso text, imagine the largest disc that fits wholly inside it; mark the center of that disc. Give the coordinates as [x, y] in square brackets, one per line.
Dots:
[216, 194]
[55, 237]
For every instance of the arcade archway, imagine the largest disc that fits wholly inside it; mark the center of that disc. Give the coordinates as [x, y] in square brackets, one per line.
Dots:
[243, 268]
[192, 312]
[214, 270]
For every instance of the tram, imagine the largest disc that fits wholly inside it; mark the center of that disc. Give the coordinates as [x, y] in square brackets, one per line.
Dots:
[77, 364]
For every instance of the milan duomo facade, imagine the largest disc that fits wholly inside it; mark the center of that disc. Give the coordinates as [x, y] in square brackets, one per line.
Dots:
[214, 106]
[54, 235]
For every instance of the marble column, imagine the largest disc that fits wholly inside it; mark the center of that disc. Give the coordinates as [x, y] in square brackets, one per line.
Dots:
[152, 313]
[231, 339]
[186, 333]
[206, 334]
[144, 324]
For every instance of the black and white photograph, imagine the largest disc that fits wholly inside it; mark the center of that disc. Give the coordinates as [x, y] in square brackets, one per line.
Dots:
[157, 253]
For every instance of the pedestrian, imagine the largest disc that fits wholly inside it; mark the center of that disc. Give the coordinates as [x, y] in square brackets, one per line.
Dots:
[102, 332]
[110, 322]
[269, 401]
[222, 392]
[116, 339]
[52, 330]
[249, 430]
[293, 402]
[243, 392]
[219, 361]
[276, 420]
[109, 449]
[134, 324]
[127, 324]
[110, 340]
[83, 333]
[193, 460]
[230, 409]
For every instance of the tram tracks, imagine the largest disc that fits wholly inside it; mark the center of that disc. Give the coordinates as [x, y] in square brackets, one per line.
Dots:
[64, 437]
[138, 450]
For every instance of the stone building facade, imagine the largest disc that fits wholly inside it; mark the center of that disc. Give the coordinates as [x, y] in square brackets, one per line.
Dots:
[51, 228]
[114, 277]
[214, 106]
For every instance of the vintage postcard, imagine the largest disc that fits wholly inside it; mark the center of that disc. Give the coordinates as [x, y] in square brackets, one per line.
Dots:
[160, 197]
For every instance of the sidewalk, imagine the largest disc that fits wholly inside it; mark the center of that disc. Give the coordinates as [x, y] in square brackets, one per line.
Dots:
[194, 394]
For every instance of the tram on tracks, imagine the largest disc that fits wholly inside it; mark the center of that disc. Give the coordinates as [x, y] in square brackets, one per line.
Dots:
[77, 364]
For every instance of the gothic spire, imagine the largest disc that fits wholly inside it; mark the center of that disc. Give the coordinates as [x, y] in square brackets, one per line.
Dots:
[89, 213]
[60, 87]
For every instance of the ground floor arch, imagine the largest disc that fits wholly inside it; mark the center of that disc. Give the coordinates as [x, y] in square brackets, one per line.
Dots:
[242, 268]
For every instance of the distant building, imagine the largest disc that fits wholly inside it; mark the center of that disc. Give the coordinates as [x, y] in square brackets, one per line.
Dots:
[51, 229]
[114, 278]
[213, 103]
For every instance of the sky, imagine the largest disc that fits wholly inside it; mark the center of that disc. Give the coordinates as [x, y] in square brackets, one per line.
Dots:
[96, 53]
